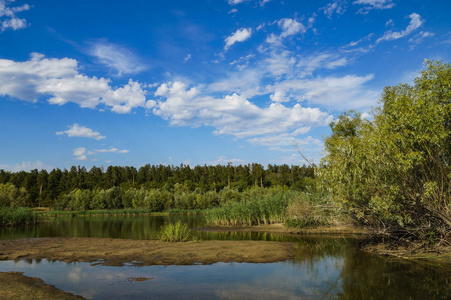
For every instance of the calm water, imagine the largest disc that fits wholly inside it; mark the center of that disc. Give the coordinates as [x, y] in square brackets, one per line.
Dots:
[322, 269]
[136, 227]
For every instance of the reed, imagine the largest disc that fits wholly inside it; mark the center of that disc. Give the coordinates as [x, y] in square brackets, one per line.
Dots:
[178, 211]
[175, 232]
[268, 209]
[19, 216]
[97, 212]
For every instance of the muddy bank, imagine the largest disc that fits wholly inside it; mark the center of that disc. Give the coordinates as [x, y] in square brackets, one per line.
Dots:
[414, 251]
[116, 252]
[14, 285]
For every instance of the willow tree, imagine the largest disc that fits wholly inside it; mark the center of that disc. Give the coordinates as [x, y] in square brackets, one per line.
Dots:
[395, 171]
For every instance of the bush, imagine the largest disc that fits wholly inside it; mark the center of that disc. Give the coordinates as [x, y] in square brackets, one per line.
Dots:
[394, 172]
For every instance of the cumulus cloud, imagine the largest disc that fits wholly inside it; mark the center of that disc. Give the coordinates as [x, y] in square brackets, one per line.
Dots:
[415, 23]
[232, 114]
[239, 36]
[289, 27]
[8, 18]
[81, 131]
[335, 7]
[116, 57]
[374, 4]
[60, 82]
[80, 153]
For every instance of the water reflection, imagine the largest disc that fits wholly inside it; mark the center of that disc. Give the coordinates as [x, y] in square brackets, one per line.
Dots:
[321, 269]
[132, 227]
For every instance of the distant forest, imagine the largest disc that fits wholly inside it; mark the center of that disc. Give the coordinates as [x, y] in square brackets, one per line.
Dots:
[43, 188]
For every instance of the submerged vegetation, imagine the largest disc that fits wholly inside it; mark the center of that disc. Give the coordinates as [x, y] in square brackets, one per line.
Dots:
[14, 216]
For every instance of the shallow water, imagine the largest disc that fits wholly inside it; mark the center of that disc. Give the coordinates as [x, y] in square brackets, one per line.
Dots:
[321, 269]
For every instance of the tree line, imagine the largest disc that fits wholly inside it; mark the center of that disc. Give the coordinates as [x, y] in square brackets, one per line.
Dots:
[43, 188]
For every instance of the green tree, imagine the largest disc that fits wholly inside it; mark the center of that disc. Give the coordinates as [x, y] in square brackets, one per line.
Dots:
[395, 171]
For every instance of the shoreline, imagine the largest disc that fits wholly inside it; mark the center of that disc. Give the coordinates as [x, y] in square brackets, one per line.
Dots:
[116, 252]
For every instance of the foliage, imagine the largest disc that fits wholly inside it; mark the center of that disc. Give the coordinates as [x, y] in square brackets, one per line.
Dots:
[42, 188]
[395, 171]
[254, 211]
[175, 232]
[10, 216]
[312, 209]
[10, 196]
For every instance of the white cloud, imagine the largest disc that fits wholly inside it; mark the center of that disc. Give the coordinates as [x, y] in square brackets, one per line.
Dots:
[26, 166]
[337, 6]
[289, 27]
[188, 57]
[82, 153]
[419, 37]
[338, 92]
[111, 150]
[235, 2]
[60, 81]
[285, 76]
[8, 18]
[81, 131]
[374, 4]
[355, 43]
[263, 2]
[239, 36]
[233, 114]
[415, 23]
[116, 57]
[223, 160]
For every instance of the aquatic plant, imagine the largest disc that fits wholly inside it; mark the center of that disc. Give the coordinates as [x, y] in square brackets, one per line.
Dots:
[175, 232]
[10, 216]
[268, 209]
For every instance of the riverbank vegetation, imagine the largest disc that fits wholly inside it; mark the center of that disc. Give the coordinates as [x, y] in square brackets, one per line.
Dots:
[15, 216]
[393, 172]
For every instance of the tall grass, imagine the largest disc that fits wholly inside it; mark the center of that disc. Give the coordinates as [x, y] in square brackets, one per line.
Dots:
[19, 216]
[265, 210]
[175, 232]
[98, 212]
[178, 211]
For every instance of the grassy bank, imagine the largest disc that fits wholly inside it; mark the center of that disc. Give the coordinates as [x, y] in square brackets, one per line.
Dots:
[19, 216]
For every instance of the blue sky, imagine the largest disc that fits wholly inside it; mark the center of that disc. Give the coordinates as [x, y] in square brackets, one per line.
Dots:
[199, 82]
